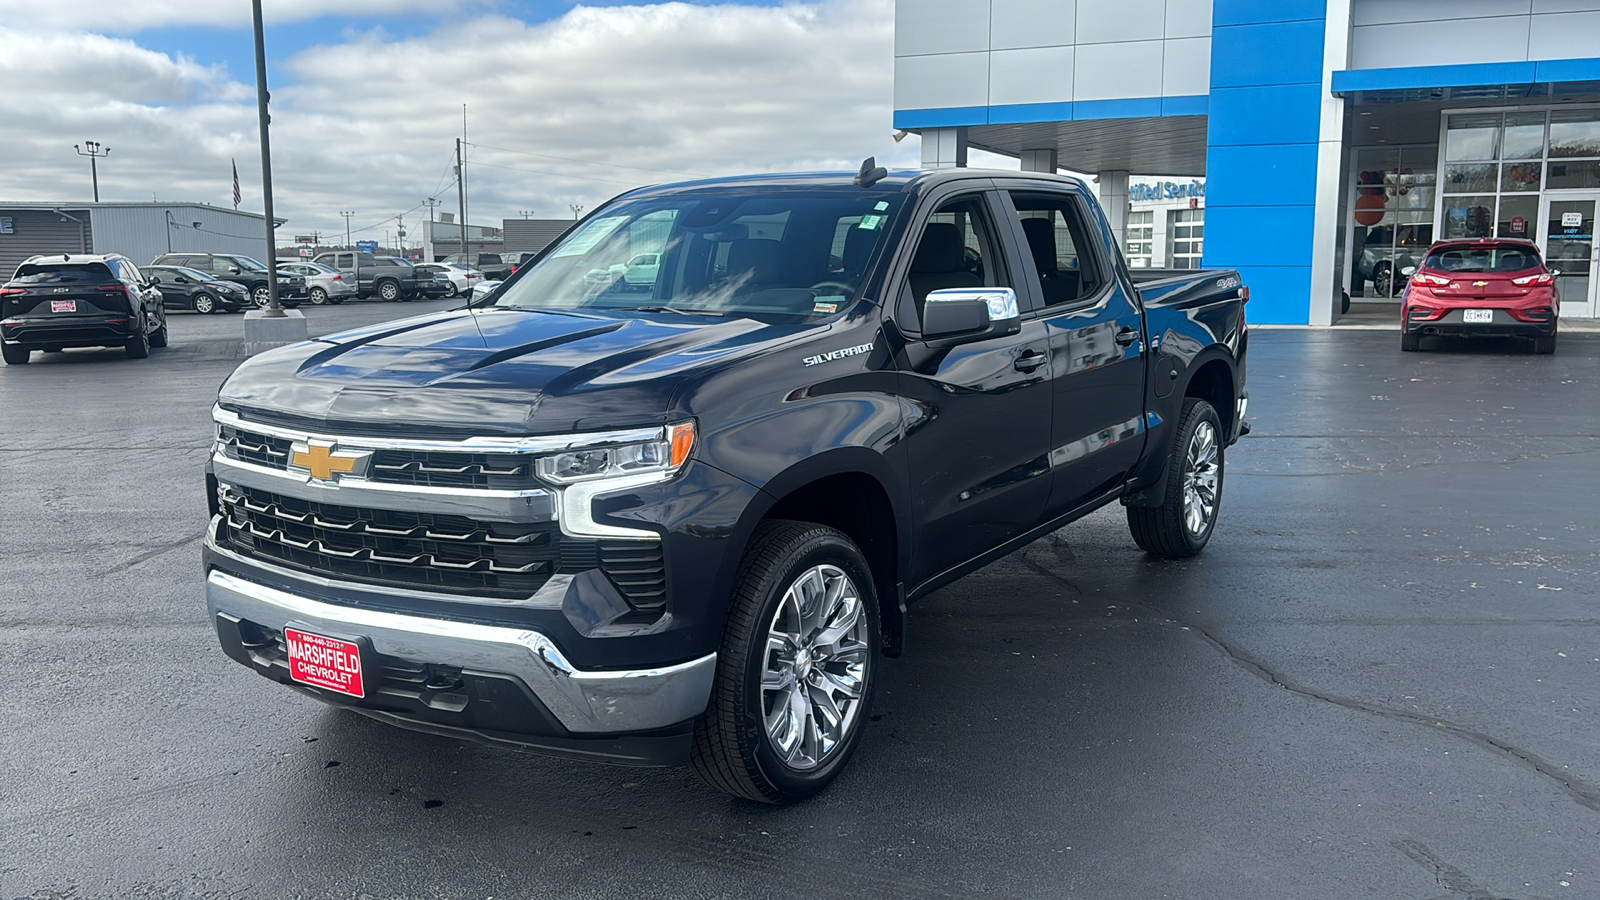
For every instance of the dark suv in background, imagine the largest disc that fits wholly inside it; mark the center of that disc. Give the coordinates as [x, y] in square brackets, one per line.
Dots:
[80, 300]
[241, 270]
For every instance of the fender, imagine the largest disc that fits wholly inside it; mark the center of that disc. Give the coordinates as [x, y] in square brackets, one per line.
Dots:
[1149, 484]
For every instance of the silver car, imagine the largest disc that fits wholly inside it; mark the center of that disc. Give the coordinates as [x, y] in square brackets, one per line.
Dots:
[323, 284]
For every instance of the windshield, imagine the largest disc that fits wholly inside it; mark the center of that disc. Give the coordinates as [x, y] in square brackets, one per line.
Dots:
[64, 273]
[246, 263]
[1483, 259]
[781, 253]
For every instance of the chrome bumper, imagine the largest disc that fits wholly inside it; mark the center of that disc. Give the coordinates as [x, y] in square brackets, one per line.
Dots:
[597, 702]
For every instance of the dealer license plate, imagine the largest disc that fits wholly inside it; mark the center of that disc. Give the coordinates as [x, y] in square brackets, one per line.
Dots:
[63, 306]
[324, 662]
[1477, 315]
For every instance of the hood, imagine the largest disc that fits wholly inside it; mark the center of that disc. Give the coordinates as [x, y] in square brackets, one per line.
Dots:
[495, 371]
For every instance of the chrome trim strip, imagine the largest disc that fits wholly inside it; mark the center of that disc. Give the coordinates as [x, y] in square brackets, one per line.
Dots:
[534, 505]
[551, 443]
[592, 702]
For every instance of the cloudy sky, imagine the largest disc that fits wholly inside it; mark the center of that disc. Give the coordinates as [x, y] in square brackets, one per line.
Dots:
[566, 104]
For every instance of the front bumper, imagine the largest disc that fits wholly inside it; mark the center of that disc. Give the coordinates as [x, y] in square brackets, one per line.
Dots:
[495, 683]
[1453, 324]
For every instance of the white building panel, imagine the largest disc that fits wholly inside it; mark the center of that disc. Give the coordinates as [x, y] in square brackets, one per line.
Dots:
[1391, 12]
[939, 26]
[1561, 6]
[1188, 18]
[1042, 75]
[1015, 24]
[1186, 67]
[933, 82]
[1441, 43]
[1565, 35]
[1117, 71]
[1100, 21]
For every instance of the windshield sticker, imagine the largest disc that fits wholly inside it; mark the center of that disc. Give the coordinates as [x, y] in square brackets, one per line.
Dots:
[870, 223]
[833, 355]
[881, 205]
[825, 306]
[592, 234]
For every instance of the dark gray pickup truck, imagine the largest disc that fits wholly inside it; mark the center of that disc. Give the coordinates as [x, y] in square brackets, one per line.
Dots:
[676, 516]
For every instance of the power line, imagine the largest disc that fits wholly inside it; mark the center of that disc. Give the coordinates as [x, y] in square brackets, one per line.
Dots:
[592, 162]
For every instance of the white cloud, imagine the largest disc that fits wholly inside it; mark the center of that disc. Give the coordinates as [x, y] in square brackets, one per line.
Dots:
[122, 16]
[369, 123]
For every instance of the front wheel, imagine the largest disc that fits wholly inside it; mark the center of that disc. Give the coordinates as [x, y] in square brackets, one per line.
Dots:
[203, 303]
[1383, 280]
[795, 671]
[262, 295]
[1183, 523]
[158, 337]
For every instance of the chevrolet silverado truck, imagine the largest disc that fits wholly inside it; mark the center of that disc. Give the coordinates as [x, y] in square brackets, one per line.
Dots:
[679, 520]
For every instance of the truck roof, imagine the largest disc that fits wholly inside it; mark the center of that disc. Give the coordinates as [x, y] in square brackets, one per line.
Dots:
[902, 179]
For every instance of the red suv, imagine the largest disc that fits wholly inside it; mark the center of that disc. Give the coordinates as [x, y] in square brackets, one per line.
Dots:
[1487, 286]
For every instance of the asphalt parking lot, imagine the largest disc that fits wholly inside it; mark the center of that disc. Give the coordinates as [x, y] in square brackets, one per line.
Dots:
[1381, 679]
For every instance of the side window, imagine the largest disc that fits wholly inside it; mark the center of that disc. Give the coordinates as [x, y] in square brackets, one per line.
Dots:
[130, 272]
[1061, 246]
[346, 261]
[957, 249]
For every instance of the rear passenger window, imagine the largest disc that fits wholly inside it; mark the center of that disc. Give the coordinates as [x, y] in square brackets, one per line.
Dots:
[1059, 242]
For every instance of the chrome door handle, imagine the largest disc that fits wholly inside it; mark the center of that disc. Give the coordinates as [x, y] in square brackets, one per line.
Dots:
[1127, 336]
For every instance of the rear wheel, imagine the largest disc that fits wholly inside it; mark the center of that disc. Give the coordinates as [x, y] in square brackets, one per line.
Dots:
[15, 355]
[795, 671]
[389, 290]
[1383, 280]
[1545, 345]
[139, 345]
[204, 303]
[1410, 343]
[318, 296]
[1183, 523]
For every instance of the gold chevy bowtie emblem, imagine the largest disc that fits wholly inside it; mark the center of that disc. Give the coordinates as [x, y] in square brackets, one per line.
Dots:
[1480, 283]
[321, 460]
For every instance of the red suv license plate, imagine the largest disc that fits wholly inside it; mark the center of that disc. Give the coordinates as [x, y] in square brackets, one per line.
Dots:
[63, 306]
[324, 662]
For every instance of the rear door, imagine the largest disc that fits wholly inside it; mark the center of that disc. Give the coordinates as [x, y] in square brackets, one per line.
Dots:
[1096, 339]
[977, 446]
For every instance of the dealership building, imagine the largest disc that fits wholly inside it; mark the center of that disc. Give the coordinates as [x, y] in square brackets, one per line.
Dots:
[1336, 139]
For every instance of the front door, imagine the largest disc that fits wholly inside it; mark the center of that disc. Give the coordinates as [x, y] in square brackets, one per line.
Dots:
[1566, 235]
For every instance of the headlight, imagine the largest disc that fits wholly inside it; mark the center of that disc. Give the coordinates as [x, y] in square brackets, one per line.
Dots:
[595, 463]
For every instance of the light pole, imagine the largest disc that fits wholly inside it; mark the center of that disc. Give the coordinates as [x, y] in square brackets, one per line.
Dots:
[347, 217]
[400, 233]
[94, 151]
[526, 213]
[576, 208]
[171, 224]
[273, 310]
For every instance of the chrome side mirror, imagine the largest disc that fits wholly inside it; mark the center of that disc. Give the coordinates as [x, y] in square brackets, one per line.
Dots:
[964, 315]
[1408, 271]
[1554, 271]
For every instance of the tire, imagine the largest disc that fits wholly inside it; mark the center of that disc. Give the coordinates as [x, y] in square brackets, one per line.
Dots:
[15, 355]
[158, 338]
[452, 291]
[318, 297]
[1383, 280]
[204, 304]
[1544, 346]
[738, 746]
[262, 295]
[1410, 343]
[1196, 458]
[389, 291]
[1344, 303]
[139, 345]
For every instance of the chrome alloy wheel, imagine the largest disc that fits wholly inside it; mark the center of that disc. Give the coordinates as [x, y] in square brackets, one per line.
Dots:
[1201, 470]
[815, 667]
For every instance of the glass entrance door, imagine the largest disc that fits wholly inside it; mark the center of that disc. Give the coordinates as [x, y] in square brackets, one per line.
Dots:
[1566, 232]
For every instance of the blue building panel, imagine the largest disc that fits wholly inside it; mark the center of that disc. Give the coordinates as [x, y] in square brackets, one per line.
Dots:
[1279, 295]
[941, 118]
[1269, 114]
[1258, 12]
[1275, 53]
[1261, 175]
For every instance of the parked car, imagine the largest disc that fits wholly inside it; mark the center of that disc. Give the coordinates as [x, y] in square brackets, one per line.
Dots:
[192, 289]
[1486, 287]
[241, 270]
[430, 285]
[1385, 253]
[484, 288]
[492, 265]
[460, 278]
[384, 277]
[324, 284]
[515, 261]
[683, 526]
[80, 300]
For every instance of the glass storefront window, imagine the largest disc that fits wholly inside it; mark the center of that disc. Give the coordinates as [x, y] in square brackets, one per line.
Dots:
[1468, 217]
[1520, 176]
[1140, 238]
[1574, 132]
[1188, 233]
[1518, 217]
[1523, 136]
[1469, 178]
[1577, 173]
[1474, 136]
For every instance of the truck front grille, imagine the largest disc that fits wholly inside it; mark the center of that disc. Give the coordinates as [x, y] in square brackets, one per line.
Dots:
[430, 468]
[451, 554]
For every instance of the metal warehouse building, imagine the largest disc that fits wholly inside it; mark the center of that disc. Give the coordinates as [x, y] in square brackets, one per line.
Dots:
[139, 231]
[1337, 138]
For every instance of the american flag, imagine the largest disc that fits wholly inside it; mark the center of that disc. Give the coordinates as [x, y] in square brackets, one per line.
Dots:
[236, 197]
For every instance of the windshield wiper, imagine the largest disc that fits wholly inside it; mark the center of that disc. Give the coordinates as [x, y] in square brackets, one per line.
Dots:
[668, 309]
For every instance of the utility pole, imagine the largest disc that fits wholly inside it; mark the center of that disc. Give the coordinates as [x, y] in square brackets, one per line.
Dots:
[347, 217]
[94, 151]
[400, 229]
[273, 310]
[461, 191]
